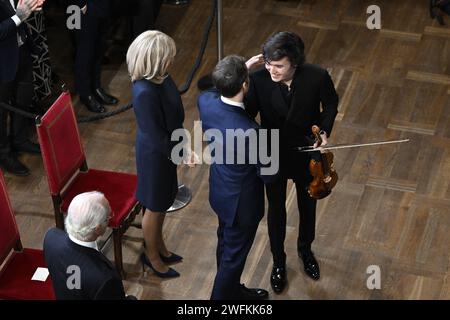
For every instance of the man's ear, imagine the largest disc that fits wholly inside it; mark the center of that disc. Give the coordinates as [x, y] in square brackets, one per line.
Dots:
[245, 86]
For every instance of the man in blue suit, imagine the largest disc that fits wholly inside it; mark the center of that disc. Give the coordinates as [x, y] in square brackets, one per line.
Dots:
[16, 81]
[236, 191]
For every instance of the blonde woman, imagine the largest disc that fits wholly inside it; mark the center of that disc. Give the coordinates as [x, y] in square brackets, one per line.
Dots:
[159, 111]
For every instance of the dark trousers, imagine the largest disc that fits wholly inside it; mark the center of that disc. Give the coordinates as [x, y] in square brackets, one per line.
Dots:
[276, 219]
[19, 94]
[233, 246]
[90, 47]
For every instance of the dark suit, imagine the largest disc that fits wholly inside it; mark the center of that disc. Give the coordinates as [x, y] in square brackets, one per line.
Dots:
[159, 111]
[90, 43]
[99, 279]
[236, 194]
[16, 76]
[312, 87]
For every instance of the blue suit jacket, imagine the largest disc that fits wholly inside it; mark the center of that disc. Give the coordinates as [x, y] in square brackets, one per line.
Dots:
[236, 191]
[99, 278]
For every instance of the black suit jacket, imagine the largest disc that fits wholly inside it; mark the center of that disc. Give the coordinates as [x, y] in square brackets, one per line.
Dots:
[100, 8]
[99, 278]
[9, 48]
[314, 102]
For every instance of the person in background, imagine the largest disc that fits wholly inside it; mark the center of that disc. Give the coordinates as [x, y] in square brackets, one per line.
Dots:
[90, 47]
[16, 82]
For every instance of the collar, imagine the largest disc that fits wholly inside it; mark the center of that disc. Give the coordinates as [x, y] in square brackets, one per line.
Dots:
[231, 102]
[90, 244]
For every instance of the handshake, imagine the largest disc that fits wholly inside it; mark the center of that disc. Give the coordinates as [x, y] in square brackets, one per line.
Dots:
[26, 7]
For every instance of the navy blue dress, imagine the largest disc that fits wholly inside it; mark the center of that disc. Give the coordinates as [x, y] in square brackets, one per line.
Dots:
[159, 111]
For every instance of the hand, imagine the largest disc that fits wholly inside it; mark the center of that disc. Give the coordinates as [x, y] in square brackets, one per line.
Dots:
[255, 61]
[323, 136]
[26, 7]
[191, 159]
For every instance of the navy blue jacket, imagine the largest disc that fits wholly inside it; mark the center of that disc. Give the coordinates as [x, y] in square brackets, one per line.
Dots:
[159, 111]
[99, 278]
[236, 191]
[9, 48]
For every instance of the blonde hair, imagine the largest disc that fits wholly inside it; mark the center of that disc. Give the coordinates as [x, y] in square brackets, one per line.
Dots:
[149, 56]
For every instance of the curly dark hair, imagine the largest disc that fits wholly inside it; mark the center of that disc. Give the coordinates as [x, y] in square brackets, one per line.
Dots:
[284, 44]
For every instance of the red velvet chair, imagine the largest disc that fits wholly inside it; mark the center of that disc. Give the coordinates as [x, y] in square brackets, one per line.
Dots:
[19, 264]
[68, 174]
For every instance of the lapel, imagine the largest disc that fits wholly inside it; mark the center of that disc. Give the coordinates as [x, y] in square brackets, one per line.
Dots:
[295, 102]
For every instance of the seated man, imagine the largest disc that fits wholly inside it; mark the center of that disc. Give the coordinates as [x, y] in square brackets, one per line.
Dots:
[78, 270]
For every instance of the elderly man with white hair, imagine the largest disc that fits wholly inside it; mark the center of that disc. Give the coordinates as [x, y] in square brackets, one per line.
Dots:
[78, 269]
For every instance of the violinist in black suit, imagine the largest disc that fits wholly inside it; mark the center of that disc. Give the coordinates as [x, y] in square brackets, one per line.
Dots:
[16, 81]
[291, 96]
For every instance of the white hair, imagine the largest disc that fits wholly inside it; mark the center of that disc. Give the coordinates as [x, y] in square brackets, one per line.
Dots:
[149, 56]
[86, 212]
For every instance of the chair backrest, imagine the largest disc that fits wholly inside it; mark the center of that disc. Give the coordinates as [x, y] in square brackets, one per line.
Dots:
[60, 142]
[9, 233]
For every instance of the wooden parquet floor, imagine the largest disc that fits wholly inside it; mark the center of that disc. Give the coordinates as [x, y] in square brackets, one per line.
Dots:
[391, 207]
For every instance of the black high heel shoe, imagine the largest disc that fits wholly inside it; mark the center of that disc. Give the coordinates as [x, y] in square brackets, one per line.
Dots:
[171, 273]
[172, 258]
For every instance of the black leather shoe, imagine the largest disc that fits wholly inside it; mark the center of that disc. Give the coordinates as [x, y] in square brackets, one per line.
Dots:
[104, 97]
[311, 266]
[92, 104]
[14, 166]
[253, 293]
[278, 279]
[27, 147]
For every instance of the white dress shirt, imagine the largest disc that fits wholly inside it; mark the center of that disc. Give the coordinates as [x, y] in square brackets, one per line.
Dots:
[90, 244]
[231, 102]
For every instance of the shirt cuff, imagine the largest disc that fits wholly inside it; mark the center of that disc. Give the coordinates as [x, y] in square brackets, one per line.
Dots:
[16, 20]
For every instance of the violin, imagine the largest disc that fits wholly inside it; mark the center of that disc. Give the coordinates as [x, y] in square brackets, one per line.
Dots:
[322, 170]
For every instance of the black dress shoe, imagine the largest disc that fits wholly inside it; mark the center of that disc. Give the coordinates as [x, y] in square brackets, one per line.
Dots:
[278, 279]
[14, 166]
[27, 147]
[92, 104]
[310, 265]
[253, 293]
[104, 97]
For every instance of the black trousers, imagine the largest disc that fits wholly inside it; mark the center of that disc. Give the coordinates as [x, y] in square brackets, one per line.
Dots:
[90, 47]
[276, 219]
[19, 94]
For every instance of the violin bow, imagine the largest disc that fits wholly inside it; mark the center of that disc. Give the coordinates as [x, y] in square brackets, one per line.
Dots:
[347, 145]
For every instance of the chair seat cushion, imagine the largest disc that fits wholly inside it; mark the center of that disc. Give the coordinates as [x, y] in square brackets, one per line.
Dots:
[16, 283]
[118, 188]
